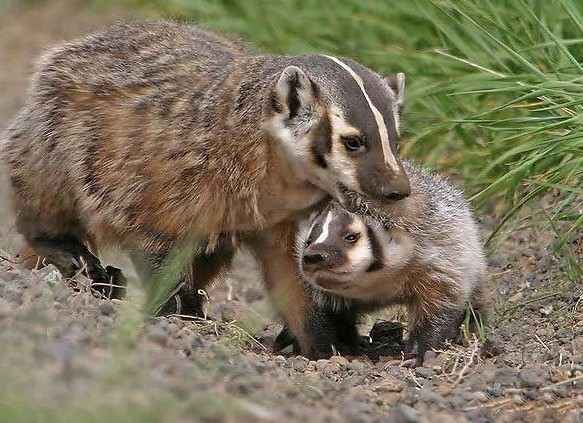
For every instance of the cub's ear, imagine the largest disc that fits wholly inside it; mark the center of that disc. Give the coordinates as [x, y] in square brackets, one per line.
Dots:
[294, 92]
[396, 83]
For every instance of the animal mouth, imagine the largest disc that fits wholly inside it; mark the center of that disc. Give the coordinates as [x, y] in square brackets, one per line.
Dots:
[351, 200]
[328, 280]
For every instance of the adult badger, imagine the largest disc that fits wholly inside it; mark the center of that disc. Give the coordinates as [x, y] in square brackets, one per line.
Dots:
[150, 135]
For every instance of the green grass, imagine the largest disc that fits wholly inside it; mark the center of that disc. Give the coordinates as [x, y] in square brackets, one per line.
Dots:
[494, 88]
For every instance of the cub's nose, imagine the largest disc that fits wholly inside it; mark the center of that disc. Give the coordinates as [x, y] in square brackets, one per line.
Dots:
[313, 260]
[322, 256]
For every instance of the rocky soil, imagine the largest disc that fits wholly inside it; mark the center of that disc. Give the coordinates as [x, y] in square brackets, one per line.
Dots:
[66, 355]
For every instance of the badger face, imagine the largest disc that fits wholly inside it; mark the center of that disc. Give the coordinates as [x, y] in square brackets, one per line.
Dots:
[351, 256]
[341, 130]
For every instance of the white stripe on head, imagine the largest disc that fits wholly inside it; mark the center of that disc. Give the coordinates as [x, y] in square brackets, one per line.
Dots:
[390, 159]
[325, 228]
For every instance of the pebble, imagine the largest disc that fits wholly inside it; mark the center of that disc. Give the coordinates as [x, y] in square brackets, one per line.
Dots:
[106, 308]
[505, 377]
[530, 377]
[158, 335]
[321, 365]
[331, 368]
[340, 360]
[423, 372]
[6, 309]
[427, 395]
[279, 359]
[356, 365]
[493, 391]
[298, 363]
[405, 414]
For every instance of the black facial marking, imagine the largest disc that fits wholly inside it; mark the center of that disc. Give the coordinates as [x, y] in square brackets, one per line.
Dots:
[293, 99]
[322, 141]
[375, 246]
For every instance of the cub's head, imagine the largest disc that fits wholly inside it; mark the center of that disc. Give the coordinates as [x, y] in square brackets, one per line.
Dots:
[350, 255]
[339, 125]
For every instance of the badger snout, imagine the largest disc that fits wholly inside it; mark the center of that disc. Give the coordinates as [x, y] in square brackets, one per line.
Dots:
[321, 257]
[394, 189]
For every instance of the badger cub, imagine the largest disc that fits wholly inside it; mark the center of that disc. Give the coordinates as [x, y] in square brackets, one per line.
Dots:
[424, 252]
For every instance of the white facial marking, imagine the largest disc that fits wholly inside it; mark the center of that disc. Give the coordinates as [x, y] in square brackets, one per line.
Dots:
[325, 229]
[390, 159]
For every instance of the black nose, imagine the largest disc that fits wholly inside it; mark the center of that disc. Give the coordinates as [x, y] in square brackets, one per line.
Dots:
[313, 259]
[396, 195]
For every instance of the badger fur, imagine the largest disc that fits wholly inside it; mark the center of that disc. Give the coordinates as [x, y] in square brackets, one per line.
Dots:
[155, 136]
[423, 252]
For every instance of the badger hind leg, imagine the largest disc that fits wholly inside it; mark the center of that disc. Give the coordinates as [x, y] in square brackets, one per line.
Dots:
[71, 257]
[431, 332]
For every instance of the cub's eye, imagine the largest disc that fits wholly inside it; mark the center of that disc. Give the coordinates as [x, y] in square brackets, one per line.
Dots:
[351, 238]
[353, 143]
[308, 241]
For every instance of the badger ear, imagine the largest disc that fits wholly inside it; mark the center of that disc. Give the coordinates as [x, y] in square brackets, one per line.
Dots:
[293, 92]
[396, 83]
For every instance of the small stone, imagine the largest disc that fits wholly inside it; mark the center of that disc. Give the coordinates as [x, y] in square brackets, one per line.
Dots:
[548, 397]
[6, 309]
[564, 334]
[342, 361]
[493, 391]
[545, 311]
[474, 397]
[427, 395]
[331, 368]
[321, 365]
[105, 321]
[505, 377]
[390, 384]
[423, 372]
[298, 363]
[106, 308]
[530, 378]
[279, 359]
[356, 365]
[158, 335]
[531, 394]
[403, 413]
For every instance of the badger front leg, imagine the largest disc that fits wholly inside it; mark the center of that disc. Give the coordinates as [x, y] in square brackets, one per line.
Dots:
[307, 326]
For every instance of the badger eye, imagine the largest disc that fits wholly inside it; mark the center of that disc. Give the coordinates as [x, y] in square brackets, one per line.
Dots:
[351, 238]
[308, 241]
[354, 143]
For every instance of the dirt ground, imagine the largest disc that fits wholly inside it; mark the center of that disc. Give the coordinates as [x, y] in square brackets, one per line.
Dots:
[223, 369]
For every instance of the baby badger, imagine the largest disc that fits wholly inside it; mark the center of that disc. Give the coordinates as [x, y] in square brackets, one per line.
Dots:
[423, 252]
[151, 136]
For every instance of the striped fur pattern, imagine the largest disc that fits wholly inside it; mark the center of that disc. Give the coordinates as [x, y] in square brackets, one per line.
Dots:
[148, 135]
[423, 252]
